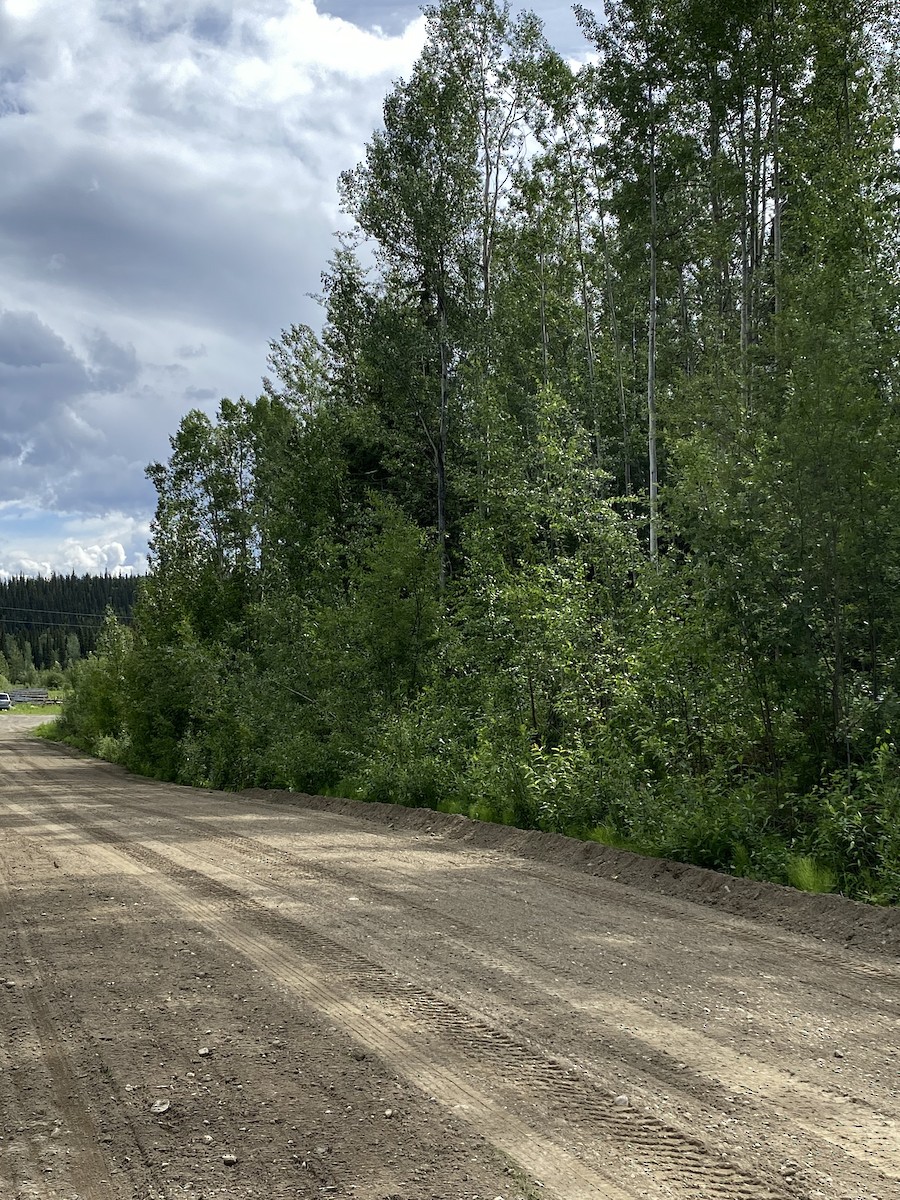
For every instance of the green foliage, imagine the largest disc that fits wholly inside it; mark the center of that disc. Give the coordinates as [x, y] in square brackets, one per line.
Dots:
[49, 731]
[608, 835]
[419, 568]
[95, 709]
[857, 825]
[411, 763]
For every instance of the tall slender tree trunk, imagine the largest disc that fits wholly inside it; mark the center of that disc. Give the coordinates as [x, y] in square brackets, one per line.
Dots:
[585, 297]
[651, 346]
[748, 201]
[545, 339]
[775, 136]
[688, 361]
[614, 328]
[440, 456]
[437, 439]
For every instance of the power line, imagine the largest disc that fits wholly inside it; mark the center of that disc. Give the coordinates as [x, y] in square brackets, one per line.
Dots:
[54, 612]
[34, 626]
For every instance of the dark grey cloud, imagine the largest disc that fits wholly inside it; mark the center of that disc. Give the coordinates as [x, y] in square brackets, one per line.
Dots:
[42, 378]
[144, 22]
[38, 373]
[9, 445]
[26, 342]
[387, 15]
[116, 483]
[138, 238]
[12, 103]
[213, 25]
[212, 21]
[113, 367]
[141, 237]
[66, 441]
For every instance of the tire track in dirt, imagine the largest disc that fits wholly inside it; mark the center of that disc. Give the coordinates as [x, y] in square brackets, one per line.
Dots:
[733, 927]
[684, 1162]
[822, 1114]
[106, 1117]
[597, 890]
[802, 1105]
[417, 1149]
[594, 886]
[560, 1173]
[84, 1165]
[274, 861]
[868, 931]
[24, 1136]
[160, 1006]
[266, 854]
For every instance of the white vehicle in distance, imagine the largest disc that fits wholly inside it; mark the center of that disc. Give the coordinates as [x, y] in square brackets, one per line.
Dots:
[5, 701]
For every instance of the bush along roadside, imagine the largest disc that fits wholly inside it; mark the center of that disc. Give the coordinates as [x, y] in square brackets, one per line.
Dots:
[843, 836]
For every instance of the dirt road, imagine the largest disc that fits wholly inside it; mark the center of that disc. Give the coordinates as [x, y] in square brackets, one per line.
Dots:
[214, 996]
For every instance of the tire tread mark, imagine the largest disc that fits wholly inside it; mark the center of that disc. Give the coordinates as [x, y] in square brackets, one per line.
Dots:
[678, 1157]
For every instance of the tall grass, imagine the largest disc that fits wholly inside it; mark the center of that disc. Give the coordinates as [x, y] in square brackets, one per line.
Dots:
[808, 875]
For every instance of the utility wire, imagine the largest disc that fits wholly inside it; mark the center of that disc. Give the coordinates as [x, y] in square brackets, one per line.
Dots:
[21, 626]
[52, 612]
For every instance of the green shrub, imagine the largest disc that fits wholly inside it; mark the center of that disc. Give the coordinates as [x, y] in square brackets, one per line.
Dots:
[857, 828]
[113, 749]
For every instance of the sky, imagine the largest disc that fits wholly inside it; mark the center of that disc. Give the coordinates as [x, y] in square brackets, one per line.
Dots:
[167, 202]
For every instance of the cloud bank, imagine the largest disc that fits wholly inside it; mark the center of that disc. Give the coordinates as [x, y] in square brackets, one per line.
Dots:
[167, 202]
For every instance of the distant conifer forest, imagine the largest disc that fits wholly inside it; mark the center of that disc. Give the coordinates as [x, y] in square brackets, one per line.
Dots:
[49, 624]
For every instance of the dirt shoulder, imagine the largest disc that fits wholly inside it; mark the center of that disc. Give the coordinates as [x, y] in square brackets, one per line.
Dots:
[829, 918]
[232, 997]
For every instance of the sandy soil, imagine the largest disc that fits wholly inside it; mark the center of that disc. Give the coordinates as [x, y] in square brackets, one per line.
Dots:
[267, 996]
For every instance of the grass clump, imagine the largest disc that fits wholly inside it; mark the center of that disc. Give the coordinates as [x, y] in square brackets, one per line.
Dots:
[608, 835]
[49, 731]
[808, 875]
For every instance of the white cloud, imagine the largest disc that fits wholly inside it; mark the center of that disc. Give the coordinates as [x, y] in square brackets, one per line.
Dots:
[109, 557]
[31, 543]
[22, 10]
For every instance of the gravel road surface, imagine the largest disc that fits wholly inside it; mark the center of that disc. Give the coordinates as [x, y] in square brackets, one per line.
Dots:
[265, 996]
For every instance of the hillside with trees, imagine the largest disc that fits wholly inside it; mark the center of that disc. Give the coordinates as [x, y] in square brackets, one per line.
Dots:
[48, 624]
[580, 512]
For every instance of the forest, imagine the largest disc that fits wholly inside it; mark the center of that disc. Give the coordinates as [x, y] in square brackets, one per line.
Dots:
[579, 512]
[49, 624]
